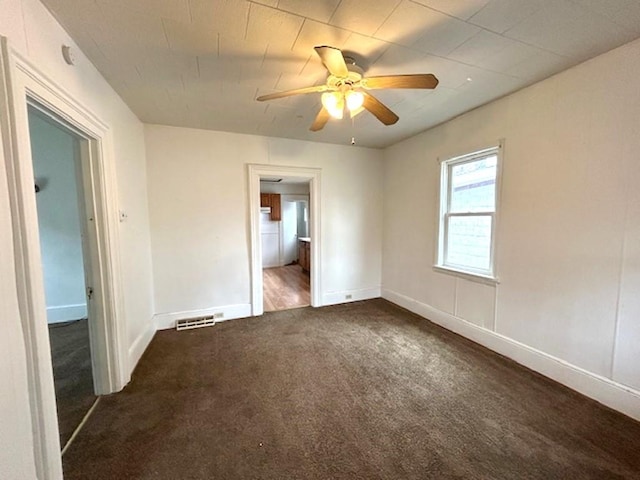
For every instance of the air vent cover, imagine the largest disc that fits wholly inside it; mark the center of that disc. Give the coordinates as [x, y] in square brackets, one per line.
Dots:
[198, 322]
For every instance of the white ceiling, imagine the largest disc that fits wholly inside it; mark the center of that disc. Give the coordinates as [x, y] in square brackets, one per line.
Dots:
[202, 63]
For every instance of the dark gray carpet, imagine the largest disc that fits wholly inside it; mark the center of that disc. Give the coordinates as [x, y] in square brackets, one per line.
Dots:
[358, 391]
[72, 374]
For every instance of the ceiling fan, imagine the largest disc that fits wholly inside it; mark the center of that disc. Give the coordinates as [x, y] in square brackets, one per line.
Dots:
[347, 86]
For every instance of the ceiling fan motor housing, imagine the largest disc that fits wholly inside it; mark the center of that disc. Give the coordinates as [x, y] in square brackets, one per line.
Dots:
[351, 81]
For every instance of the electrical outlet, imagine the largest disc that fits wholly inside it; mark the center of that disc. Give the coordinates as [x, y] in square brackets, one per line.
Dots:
[348, 297]
[218, 315]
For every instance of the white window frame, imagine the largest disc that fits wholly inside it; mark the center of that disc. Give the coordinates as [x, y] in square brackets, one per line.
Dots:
[485, 276]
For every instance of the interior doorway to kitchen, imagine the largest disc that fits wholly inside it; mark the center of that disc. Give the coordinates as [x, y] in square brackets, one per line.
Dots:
[314, 178]
[286, 242]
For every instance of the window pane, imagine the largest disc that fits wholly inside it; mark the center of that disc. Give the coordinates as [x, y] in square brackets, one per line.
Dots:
[469, 242]
[473, 185]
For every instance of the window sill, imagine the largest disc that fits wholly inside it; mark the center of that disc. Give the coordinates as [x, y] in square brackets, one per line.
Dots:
[474, 277]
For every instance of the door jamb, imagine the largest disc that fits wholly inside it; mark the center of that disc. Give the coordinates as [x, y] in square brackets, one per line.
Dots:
[313, 175]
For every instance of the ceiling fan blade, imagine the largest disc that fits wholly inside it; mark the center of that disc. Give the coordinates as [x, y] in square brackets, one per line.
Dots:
[321, 120]
[288, 93]
[379, 110]
[419, 80]
[334, 61]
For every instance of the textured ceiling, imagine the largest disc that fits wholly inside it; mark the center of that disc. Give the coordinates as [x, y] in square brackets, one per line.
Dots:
[202, 63]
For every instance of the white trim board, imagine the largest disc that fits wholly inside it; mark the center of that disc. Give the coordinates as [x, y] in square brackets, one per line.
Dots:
[66, 313]
[334, 298]
[140, 344]
[165, 321]
[612, 394]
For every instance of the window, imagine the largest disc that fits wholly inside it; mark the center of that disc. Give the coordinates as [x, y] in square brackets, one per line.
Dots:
[468, 201]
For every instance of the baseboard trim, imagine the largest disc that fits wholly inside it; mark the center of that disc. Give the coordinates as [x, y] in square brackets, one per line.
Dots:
[604, 390]
[164, 321]
[65, 313]
[138, 347]
[334, 298]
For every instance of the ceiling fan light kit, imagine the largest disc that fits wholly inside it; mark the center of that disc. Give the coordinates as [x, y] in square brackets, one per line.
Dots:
[354, 100]
[334, 103]
[346, 86]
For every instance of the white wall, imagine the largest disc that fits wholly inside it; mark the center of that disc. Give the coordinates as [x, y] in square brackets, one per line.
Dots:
[54, 153]
[34, 33]
[568, 240]
[198, 200]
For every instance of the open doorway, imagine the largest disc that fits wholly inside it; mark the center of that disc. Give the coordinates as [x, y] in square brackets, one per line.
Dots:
[310, 178]
[286, 242]
[56, 155]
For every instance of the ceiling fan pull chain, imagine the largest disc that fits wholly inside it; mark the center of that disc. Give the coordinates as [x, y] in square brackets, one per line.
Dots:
[353, 128]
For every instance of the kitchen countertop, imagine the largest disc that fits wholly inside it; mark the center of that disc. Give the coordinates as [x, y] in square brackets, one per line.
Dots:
[304, 239]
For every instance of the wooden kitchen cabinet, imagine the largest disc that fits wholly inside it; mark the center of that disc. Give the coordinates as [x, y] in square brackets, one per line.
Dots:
[272, 200]
[304, 255]
[276, 210]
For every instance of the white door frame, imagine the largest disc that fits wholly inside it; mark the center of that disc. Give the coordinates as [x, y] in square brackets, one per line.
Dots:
[19, 81]
[313, 175]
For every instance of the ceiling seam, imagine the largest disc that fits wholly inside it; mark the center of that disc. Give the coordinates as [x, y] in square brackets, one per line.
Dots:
[304, 21]
[472, 25]
[334, 11]
[246, 25]
[164, 31]
[385, 20]
[190, 10]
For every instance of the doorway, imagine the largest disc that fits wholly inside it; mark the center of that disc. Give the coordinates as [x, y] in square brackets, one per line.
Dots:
[285, 242]
[311, 179]
[56, 155]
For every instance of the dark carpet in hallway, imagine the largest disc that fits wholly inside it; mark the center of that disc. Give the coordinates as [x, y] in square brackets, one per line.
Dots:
[357, 391]
[71, 356]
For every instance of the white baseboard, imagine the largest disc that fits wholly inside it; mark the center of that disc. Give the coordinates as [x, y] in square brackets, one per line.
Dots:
[612, 394]
[65, 313]
[140, 345]
[164, 321]
[333, 298]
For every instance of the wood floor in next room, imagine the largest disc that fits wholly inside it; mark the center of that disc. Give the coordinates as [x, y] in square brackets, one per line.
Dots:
[285, 287]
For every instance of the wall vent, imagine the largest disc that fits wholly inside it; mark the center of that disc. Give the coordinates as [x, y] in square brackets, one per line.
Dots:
[198, 322]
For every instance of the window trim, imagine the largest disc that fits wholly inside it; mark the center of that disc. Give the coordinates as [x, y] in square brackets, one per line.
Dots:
[443, 214]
